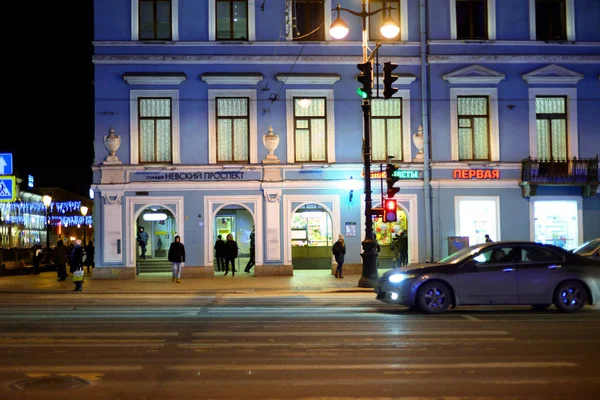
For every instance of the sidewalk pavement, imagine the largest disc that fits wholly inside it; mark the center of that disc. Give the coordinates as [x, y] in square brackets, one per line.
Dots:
[313, 281]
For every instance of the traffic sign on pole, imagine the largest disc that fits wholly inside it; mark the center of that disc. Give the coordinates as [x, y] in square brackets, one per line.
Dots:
[6, 164]
[7, 189]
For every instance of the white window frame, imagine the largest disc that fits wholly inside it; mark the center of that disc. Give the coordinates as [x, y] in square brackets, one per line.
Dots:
[494, 126]
[135, 20]
[491, 22]
[403, 21]
[570, 20]
[577, 199]
[212, 14]
[212, 121]
[406, 133]
[330, 121]
[495, 199]
[572, 131]
[134, 128]
[326, 24]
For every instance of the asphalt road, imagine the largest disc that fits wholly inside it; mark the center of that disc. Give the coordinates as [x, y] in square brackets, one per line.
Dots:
[328, 346]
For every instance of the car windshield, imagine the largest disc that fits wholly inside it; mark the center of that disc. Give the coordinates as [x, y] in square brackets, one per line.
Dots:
[587, 248]
[460, 255]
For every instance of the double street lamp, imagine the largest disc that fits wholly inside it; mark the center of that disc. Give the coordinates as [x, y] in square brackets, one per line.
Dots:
[47, 200]
[389, 29]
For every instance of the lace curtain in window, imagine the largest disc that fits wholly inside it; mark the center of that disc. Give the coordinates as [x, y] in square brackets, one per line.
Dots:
[473, 130]
[386, 129]
[310, 129]
[551, 113]
[232, 130]
[155, 130]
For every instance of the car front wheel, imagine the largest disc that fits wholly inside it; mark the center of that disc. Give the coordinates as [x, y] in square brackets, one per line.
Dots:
[434, 297]
[570, 297]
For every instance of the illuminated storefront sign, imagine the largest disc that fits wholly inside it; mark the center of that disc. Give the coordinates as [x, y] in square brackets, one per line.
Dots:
[476, 174]
[403, 174]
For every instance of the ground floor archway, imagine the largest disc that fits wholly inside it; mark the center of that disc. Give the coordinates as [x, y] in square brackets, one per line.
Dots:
[239, 222]
[311, 237]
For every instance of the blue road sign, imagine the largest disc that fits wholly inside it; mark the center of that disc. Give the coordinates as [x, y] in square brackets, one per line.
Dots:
[7, 189]
[6, 164]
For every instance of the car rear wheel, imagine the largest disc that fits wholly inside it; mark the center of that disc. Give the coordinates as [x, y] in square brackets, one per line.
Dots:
[540, 307]
[570, 297]
[434, 297]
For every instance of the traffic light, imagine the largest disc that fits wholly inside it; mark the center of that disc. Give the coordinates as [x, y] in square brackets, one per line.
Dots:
[390, 209]
[389, 79]
[366, 78]
[390, 179]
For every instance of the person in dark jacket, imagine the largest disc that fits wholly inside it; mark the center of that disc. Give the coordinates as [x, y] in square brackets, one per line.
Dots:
[177, 257]
[220, 254]
[60, 259]
[403, 249]
[89, 256]
[251, 262]
[231, 253]
[339, 251]
[38, 254]
[77, 264]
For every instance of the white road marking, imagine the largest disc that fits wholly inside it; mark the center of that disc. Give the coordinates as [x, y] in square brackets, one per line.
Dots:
[71, 368]
[345, 333]
[87, 344]
[472, 318]
[86, 334]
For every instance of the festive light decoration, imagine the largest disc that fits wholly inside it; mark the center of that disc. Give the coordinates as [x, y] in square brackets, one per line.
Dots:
[61, 207]
[55, 220]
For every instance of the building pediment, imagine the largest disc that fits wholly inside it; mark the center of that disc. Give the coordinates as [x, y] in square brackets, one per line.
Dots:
[154, 78]
[225, 78]
[308, 79]
[553, 74]
[474, 74]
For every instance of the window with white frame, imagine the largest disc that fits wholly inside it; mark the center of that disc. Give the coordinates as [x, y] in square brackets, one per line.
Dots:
[232, 19]
[474, 124]
[309, 22]
[552, 20]
[233, 128]
[477, 216]
[310, 126]
[386, 129]
[553, 133]
[473, 128]
[154, 126]
[551, 127]
[154, 20]
[473, 19]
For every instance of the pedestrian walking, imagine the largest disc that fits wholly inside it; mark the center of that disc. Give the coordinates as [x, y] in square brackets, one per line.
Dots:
[38, 254]
[403, 248]
[89, 256]
[177, 258]
[251, 261]
[60, 260]
[76, 260]
[142, 239]
[220, 254]
[339, 251]
[231, 253]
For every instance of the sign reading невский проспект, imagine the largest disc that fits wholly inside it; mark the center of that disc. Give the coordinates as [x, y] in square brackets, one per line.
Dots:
[172, 176]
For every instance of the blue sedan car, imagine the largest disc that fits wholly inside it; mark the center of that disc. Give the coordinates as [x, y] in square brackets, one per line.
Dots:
[497, 273]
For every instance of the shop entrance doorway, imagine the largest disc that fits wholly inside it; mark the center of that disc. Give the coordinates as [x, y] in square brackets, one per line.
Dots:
[239, 222]
[386, 233]
[160, 226]
[311, 238]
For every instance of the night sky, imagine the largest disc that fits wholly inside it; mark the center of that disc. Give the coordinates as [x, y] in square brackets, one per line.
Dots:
[49, 104]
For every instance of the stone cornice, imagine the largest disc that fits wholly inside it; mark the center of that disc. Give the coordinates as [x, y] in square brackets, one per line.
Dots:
[239, 59]
[288, 43]
[514, 59]
[154, 78]
[474, 74]
[216, 78]
[553, 74]
[307, 79]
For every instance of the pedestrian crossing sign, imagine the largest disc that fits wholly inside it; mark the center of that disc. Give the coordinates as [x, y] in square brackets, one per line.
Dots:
[7, 189]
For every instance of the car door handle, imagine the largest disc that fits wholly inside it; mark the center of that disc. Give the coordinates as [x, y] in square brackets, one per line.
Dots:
[508, 270]
[554, 266]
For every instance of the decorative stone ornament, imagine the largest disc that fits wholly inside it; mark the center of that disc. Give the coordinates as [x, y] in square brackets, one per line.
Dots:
[112, 143]
[271, 141]
[418, 141]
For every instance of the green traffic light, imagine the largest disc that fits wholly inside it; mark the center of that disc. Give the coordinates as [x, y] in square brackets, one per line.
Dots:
[361, 93]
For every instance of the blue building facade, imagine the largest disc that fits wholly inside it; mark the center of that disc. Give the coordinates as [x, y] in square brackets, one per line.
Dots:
[214, 117]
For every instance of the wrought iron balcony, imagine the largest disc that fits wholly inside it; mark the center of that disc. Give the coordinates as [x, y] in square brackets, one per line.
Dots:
[576, 172]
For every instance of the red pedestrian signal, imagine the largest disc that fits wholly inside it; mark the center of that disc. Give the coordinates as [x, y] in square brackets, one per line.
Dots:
[391, 207]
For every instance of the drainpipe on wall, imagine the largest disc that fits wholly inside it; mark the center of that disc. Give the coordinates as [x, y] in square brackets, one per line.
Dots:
[426, 138]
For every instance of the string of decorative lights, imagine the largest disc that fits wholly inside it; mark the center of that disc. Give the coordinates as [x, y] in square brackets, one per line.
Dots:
[61, 207]
[55, 220]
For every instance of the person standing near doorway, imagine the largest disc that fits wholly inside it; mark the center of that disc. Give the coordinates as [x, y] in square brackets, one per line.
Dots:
[488, 239]
[220, 254]
[38, 254]
[231, 253]
[60, 259]
[403, 249]
[177, 258]
[251, 261]
[142, 239]
[339, 251]
[77, 265]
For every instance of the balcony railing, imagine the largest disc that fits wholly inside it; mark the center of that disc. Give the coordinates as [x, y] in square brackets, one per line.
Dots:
[576, 172]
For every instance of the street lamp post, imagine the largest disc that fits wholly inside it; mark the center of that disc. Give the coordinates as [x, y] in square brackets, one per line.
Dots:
[389, 29]
[47, 200]
[84, 211]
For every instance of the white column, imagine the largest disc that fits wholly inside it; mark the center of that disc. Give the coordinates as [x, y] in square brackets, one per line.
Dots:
[273, 224]
[112, 227]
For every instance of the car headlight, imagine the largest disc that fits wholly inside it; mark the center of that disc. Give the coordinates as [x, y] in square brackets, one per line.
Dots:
[395, 278]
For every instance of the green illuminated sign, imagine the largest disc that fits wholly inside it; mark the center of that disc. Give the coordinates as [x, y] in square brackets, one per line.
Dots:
[407, 174]
[361, 93]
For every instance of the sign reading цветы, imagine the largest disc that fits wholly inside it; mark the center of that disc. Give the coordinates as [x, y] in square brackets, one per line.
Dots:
[476, 173]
